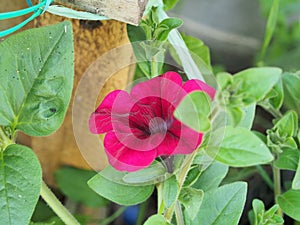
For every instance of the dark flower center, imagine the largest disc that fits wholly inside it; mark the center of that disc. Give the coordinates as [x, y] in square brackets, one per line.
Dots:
[158, 125]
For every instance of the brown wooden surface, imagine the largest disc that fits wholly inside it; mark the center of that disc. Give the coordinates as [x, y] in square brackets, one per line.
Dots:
[92, 39]
[128, 11]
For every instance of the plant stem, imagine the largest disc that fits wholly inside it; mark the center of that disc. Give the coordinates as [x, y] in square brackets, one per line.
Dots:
[113, 216]
[276, 113]
[160, 203]
[265, 176]
[57, 206]
[178, 214]
[154, 68]
[181, 178]
[5, 140]
[142, 211]
[277, 187]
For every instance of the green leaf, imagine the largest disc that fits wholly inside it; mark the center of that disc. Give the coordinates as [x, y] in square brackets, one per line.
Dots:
[247, 117]
[169, 4]
[73, 183]
[239, 148]
[288, 159]
[258, 209]
[165, 27]
[291, 84]
[170, 190]
[194, 110]
[191, 198]
[223, 205]
[270, 27]
[236, 115]
[156, 220]
[246, 81]
[135, 33]
[262, 217]
[275, 96]
[36, 74]
[156, 172]
[192, 175]
[296, 180]
[287, 126]
[121, 194]
[289, 202]
[20, 184]
[212, 177]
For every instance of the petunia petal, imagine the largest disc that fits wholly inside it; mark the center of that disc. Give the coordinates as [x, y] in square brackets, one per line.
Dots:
[101, 120]
[188, 139]
[123, 158]
[198, 85]
[168, 145]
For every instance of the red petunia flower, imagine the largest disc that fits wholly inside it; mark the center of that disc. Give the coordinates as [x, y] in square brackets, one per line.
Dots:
[140, 125]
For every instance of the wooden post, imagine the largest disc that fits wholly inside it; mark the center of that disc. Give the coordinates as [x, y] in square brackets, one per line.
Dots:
[128, 11]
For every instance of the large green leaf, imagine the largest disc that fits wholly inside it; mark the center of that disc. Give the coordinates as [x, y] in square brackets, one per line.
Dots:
[170, 190]
[289, 202]
[155, 173]
[191, 198]
[122, 194]
[20, 184]
[73, 183]
[288, 159]
[212, 177]
[194, 110]
[239, 148]
[247, 82]
[223, 205]
[36, 73]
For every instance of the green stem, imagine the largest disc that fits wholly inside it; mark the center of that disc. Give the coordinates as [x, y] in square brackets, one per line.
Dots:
[160, 202]
[5, 140]
[57, 206]
[265, 176]
[113, 216]
[178, 214]
[181, 178]
[142, 212]
[154, 68]
[276, 113]
[277, 187]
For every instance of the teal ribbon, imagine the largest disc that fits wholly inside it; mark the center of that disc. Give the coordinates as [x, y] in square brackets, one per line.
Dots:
[35, 9]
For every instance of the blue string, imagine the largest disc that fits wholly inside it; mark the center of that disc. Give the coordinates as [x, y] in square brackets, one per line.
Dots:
[36, 10]
[29, 3]
[48, 2]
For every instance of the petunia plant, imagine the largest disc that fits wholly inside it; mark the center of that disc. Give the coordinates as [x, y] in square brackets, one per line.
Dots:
[178, 134]
[182, 137]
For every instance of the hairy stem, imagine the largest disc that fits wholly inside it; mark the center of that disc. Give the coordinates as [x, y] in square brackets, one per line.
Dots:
[181, 178]
[160, 202]
[178, 214]
[265, 176]
[277, 187]
[57, 206]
